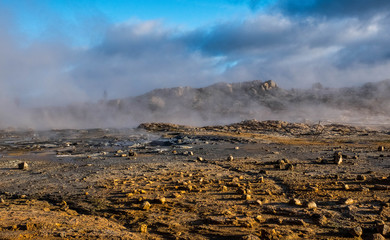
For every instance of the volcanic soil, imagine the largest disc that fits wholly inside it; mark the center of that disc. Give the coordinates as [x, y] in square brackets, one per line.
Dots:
[249, 180]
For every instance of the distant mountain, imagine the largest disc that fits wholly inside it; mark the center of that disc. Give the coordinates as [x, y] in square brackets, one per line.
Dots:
[224, 103]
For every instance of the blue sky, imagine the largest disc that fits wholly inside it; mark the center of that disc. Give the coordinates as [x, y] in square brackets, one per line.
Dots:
[35, 17]
[58, 52]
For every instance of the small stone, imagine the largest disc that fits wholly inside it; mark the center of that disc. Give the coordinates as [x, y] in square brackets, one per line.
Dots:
[381, 148]
[23, 166]
[162, 200]
[199, 159]
[247, 197]
[230, 158]
[361, 178]
[356, 231]
[241, 191]
[143, 228]
[338, 158]
[146, 205]
[260, 218]
[383, 229]
[132, 153]
[176, 195]
[261, 179]
[224, 189]
[311, 205]
[237, 148]
[2, 200]
[348, 201]
[322, 220]
[250, 237]
[289, 166]
[378, 236]
[346, 187]
[295, 202]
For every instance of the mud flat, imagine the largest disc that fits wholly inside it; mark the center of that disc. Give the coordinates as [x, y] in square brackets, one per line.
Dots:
[249, 180]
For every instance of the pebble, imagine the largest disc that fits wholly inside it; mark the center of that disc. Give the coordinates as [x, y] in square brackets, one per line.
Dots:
[311, 205]
[230, 158]
[146, 205]
[383, 229]
[338, 158]
[289, 166]
[295, 202]
[322, 220]
[143, 228]
[361, 178]
[247, 197]
[381, 148]
[378, 236]
[162, 200]
[2, 200]
[356, 231]
[260, 218]
[348, 201]
[23, 166]
[250, 237]
[199, 158]
[224, 189]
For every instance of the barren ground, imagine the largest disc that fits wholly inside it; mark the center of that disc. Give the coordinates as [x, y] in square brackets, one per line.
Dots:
[251, 180]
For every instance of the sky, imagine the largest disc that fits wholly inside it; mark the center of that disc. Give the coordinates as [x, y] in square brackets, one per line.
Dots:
[57, 52]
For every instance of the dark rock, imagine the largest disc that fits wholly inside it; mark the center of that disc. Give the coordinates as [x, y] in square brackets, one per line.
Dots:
[378, 236]
[356, 231]
[23, 166]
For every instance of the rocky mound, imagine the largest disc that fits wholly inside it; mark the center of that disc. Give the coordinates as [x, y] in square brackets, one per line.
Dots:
[224, 103]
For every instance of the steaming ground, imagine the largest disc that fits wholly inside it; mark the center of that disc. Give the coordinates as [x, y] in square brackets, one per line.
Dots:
[221, 103]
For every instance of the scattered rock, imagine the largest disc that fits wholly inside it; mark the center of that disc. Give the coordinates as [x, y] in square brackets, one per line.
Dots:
[311, 205]
[289, 166]
[23, 166]
[295, 202]
[143, 228]
[146, 205]
[260, 218]
[348, 201]
[383, 229]
[361, 178]
[356, 231]
[322, 220]
[162, 200]
[338, 158]
[230, 158]
[247, 197]
[250, 237]
[381, 148]
[378, 236]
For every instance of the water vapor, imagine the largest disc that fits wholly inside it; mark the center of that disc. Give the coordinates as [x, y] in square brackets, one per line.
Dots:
[56, 80]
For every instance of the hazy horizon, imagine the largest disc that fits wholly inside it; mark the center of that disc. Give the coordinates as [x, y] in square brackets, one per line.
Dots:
[55, 53]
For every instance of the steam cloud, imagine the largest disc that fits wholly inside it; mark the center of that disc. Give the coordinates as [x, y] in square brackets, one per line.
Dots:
[332, 42]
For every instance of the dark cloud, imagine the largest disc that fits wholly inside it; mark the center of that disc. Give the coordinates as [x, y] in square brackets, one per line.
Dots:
[334, 8]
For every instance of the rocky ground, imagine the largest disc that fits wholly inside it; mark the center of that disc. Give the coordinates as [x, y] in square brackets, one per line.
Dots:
[250, 180]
